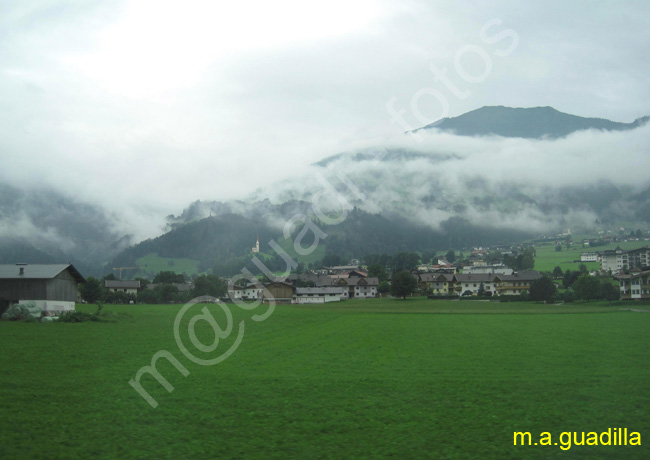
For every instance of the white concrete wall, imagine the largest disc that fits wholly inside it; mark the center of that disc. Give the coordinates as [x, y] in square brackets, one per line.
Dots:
[51, 305]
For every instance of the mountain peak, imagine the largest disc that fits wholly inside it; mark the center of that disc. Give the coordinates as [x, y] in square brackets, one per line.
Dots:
[530, 123]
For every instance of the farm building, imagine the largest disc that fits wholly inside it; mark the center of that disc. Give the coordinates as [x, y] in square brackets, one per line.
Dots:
[49, 287]
[250, 292]
[128, 287]
[438, 283]
[357, 287]
[589, 257]
[319, 295]
[279, 291]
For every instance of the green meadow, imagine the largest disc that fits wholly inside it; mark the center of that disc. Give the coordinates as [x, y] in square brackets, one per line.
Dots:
[152, 264]
[547, 258]
[359, 379]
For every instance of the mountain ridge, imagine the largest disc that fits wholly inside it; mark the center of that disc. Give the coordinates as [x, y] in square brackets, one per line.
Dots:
[525, 122]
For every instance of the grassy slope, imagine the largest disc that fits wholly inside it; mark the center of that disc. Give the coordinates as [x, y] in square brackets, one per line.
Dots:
[547, 258]
[315, 256]
[374, 378]
[153, 263]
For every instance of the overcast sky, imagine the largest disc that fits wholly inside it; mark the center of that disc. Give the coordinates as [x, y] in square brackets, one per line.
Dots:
[160, 103]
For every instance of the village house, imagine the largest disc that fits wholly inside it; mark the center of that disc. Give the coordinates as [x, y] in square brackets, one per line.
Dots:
[357, 287]
[319, 295]
[339, 269]
[472, 282]
[250, 292]
[517, 283]
[494, 284]
[437, 283]
[499, 269]
[634, 285]
[589, 257]
[127, 287]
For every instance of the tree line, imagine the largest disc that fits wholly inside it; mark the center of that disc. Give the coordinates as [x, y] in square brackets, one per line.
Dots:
[164, 291]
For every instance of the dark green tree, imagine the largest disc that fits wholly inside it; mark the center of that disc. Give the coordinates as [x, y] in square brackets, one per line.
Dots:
[542, 289]
[587, 287]
[167, 277]
[166, 293]
[147, 296]
[332, 260]
[403, 284]
[450, 256]
[383, 287]
[210, 285]
[92, 290]
[429, 256]
[143, 282]
[406, 261]
[528, 259]
[609, 291]
[569, 295]
[557, 272]
[377, 271]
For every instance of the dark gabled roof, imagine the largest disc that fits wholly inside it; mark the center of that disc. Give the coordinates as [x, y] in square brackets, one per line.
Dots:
[429, 277]
[38, 271]
[632, 275]
[475, 277]
[527, 275]
[320, 290]
[274, 283]
[344, 267]
[119, 284]
[354, 281]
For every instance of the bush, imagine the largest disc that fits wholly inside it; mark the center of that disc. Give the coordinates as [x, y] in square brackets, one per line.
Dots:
[76, 317]
[569, 295]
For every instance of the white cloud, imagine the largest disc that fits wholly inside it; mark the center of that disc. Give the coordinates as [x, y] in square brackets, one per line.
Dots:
[145, 106]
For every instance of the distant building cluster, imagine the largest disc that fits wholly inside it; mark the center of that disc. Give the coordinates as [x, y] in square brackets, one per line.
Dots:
[329, 284]
[487, 284]
[617, 260]
[631, 268]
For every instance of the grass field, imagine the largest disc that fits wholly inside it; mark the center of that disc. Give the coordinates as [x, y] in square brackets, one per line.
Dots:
[360, 379]
[314, 256]
[152, 264]
[548, 258]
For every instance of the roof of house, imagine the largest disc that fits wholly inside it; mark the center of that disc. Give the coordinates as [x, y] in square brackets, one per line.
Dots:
[38, 271]
[475, 277]
[278, 283]
[320, 290]
[526, 275]
[120, 284]
[354, 281]
[429, 277]
[632, 275]
[343, 267]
